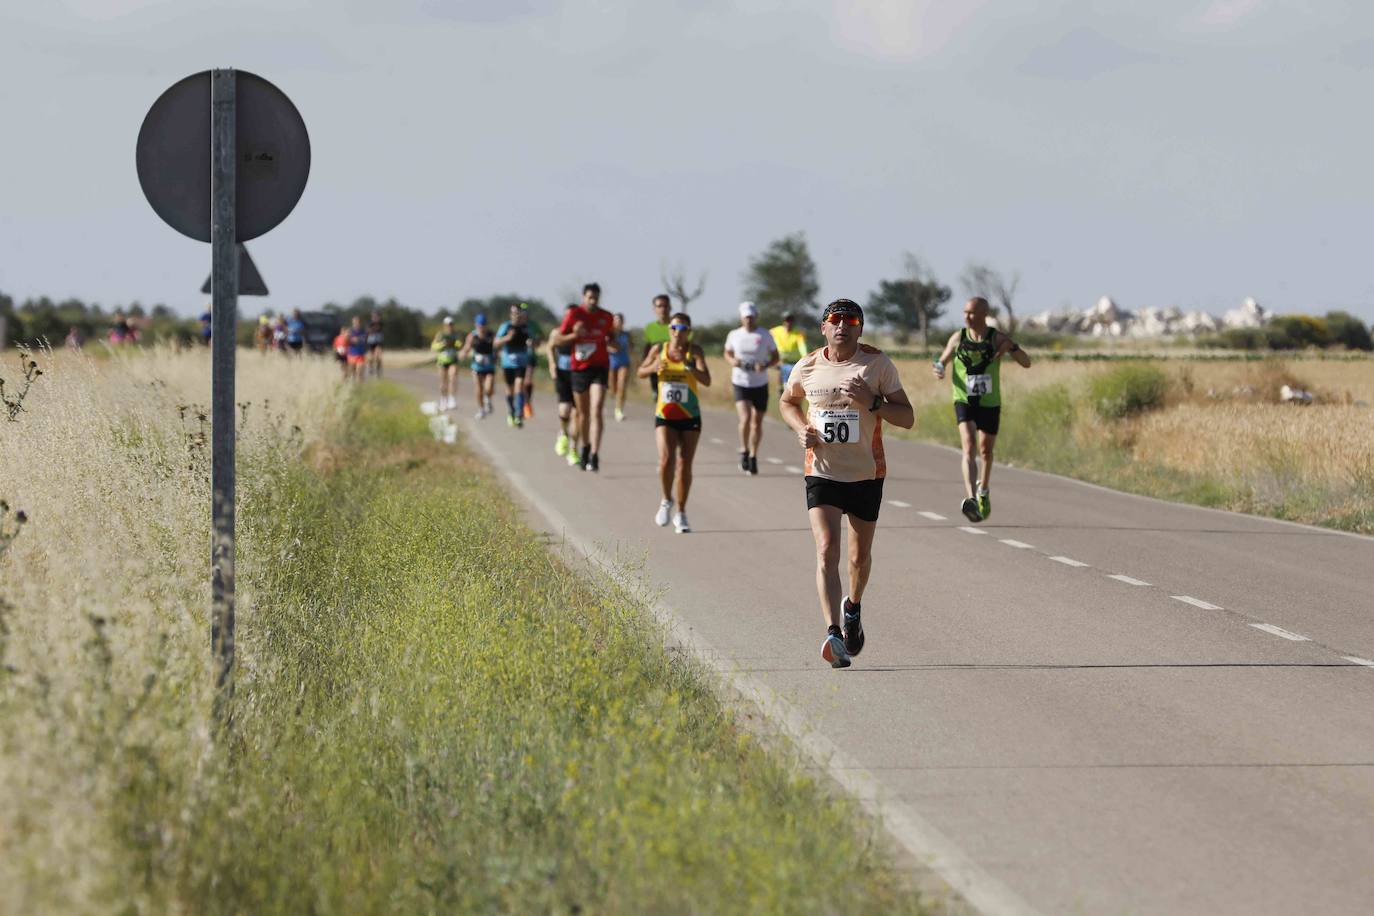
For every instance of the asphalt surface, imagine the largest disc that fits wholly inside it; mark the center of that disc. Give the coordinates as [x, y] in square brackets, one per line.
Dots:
[1194, 736]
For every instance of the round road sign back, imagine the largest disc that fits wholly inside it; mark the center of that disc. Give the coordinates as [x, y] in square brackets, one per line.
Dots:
[173, 156]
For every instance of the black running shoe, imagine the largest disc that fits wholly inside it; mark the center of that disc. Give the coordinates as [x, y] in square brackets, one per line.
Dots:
[744, 462]
[833, 650]
[853, 628]
[594, 463]
[753, 464]
[970, 509]
[586, 457]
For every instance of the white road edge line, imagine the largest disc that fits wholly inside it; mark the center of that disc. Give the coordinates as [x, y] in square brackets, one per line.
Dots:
[968, 529]
[1281, 632]
[1197, 602]
[1019, 545]
[899, 504]
[773, 460]
[793, 469]
[1128, 580]
[933, 516]
[1356, 660]
[928, 845]
[1068, 561]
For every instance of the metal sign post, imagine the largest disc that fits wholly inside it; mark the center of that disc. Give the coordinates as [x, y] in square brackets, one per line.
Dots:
[224, 282]
[259, 158]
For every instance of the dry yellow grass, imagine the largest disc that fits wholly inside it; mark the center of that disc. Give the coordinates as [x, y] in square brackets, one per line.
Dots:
[105, 588]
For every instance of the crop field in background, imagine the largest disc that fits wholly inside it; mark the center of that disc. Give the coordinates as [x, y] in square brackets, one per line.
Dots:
[410, 732]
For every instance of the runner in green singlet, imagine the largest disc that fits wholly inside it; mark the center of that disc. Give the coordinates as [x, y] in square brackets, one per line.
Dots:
[681, 367]
[656, 333]
[977, 350]
[445, 345]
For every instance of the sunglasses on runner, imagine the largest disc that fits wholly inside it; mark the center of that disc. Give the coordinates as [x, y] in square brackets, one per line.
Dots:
[679, 327]
[836, 318]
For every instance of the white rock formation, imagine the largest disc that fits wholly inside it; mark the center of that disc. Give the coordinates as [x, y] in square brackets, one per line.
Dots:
[1107, 319]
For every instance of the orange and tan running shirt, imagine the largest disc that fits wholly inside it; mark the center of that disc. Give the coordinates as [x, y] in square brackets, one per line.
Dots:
[851, 446]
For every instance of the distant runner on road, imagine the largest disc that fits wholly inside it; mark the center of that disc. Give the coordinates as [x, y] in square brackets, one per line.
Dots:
[446, 345]
[588, 329]
[791, 344]
[977, 350]
[481, 346]
[560, 370]
[620, 365]
[750, 351]
[851, 389]
[513, 340]
[681, 368]
[374, 343]
[536, 338]
[656, 333]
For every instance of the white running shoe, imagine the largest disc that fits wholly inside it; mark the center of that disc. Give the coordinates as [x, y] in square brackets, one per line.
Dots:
[480, 415]
[680, 523]
[661, 516]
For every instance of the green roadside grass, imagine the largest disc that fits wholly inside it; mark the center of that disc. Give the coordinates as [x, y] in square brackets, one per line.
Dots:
[436, 714]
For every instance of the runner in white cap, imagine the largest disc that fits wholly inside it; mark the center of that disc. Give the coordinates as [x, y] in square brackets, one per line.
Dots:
[750, 351]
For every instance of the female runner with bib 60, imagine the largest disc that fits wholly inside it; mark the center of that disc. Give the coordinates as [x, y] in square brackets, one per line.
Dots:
[680, 366]
[850, 388]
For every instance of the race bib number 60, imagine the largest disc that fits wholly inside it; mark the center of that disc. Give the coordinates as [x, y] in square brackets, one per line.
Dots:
[674, 392]
[837, 427]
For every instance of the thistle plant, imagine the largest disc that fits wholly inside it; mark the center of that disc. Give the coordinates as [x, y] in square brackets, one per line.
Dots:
[14, 399]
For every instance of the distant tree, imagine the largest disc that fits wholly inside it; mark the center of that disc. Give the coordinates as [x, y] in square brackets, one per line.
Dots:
[1000, 291]
[910, 304]
[1296, 332]
[783, 278]
[1349, 331]
[497, 309]
[675, 285]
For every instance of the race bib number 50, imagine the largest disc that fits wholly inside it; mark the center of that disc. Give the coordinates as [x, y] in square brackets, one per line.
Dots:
[837, 427]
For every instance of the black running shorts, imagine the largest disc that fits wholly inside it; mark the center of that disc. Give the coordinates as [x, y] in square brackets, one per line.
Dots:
[689, 425]
[513, 375]
[861, 499]
[562, 383]
[984, 419]
[583, 379]
[756, 396]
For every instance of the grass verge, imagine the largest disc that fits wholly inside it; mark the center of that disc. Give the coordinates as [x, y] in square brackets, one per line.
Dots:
[437, 715]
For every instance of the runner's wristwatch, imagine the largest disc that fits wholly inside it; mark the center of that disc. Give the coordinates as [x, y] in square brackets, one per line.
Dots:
[877, 403]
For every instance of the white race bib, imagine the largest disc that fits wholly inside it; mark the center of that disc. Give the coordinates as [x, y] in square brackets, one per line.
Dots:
[584, 351]
[837, 427]
[976, 385]
[481, 359]
[674, 392]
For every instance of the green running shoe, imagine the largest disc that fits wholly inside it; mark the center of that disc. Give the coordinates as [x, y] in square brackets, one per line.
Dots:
[560, 447]
[572, 458]
[984, 505]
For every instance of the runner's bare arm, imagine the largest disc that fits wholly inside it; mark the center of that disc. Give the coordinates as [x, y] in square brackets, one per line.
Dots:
[551, 352]
[791, 406]
[1011, 347]
[897, 410]
[698, 366]
[650, 364]
[950, 346]
[775, 358]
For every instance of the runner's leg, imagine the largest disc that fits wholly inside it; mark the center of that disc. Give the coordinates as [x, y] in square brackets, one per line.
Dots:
[686, 454]
[860, 556]
[597, 404]
[755, 429]
[622, 388]
[968, 461]
[985, 443]
[667, 458]
[825, 528]
[745, 410]
[582, 404]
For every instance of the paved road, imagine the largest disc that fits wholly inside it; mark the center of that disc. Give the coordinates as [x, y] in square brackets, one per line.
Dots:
[1093, 703]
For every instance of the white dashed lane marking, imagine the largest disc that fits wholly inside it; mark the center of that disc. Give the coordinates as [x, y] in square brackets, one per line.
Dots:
[1280, 632]
[1019, 545]
[969, 530]
[899, 504]
[1128, 580]
[717, 440]
[793, 469]
[933, 516]
[1356, 660]
[1196, 602]
[773, 460]
[1068, 561]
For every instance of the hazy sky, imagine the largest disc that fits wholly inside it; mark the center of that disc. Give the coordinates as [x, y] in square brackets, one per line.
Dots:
[1175, 152]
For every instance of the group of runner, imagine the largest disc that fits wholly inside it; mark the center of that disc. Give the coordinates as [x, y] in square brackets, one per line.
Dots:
[357, 347]
[835, 399]
[514, 344]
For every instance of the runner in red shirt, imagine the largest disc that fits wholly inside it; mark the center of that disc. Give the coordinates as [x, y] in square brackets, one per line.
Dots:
[588, 328]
